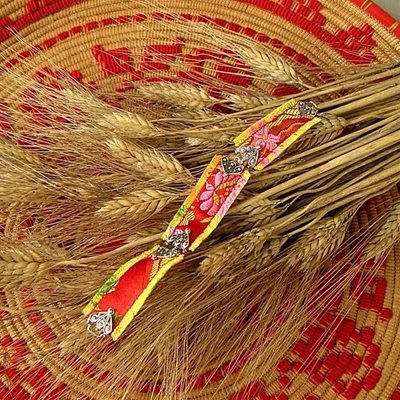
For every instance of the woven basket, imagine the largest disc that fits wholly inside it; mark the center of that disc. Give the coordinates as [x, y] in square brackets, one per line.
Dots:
[106, 45]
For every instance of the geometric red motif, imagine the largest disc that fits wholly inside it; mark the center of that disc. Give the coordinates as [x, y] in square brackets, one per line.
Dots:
[115, 61]
[202, 60]
[355, 44]
[197, 66]
[160, 57]
[348, 372]
[333, 349]
[372, 296]
[121, 60]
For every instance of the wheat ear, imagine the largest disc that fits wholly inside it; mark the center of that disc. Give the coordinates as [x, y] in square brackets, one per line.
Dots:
[271, 66]
[149, 160]
[387, 236]
[232, 250]
[140, 204]
[320, 241]
[102, 114]
[246, 102]
[179, 94]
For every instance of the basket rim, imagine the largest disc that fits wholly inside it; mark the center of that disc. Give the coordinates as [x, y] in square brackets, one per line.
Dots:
[377, 12]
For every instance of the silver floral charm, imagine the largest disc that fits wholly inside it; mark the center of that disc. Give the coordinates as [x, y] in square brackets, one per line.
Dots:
[250, 154]
[310, 109]
[174, 245]
[100, 324]
[248, 159]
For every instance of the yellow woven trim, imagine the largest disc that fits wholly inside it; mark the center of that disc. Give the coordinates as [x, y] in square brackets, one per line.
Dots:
[290, 140]
[90, 307]
[117, 274]
[192, 196]
[138, 304]
[216, 220]
[246, 134]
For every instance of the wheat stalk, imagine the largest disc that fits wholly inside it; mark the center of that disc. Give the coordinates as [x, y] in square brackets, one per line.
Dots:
[320, 241]
[179, 94]
[327, 130]
[244, 102]
[149, 160]
[140, 204]
[231, 251]
[18, 153]
[270, 66]
[101, 114]
[387, 236]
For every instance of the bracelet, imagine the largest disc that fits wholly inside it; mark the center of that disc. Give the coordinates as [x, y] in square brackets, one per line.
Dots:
[122, 296]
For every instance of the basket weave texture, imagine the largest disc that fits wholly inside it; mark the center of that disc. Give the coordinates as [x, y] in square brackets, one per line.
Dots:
[108, 44]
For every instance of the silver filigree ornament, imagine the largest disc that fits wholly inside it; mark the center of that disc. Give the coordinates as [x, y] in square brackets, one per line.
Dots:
[174, 245]
[249, 158]
[100, 324]
[309, 109]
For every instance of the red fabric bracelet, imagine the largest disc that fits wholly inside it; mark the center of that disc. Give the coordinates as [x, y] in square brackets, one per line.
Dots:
[122, 296]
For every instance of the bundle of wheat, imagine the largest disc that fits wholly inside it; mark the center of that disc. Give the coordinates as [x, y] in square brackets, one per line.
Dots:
[110, 112]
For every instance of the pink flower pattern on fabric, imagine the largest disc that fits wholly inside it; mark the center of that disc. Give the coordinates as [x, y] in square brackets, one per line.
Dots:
[266, 139]
[217, 191]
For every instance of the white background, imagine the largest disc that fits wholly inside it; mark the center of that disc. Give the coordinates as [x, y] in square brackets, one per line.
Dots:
[391, 6]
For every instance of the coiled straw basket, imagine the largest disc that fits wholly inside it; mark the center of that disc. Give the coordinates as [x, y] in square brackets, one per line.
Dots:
[347, 348]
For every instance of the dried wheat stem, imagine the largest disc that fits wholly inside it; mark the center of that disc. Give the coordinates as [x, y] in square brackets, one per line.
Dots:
[138, 204]
[383, 95]
[392, 110]
[332, 166]
[356, 95]
[340, 146]
[302, 218]
[361, 79]
[180, 94]
[358, 171]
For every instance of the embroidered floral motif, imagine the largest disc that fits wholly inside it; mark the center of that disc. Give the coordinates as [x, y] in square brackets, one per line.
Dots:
[266, 139]
[217, 191]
